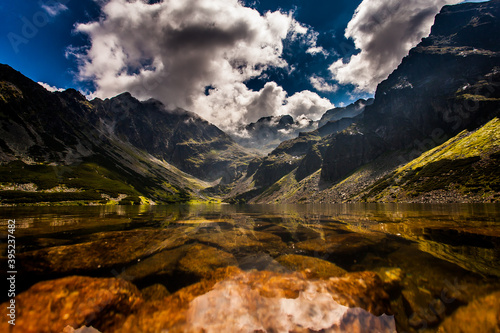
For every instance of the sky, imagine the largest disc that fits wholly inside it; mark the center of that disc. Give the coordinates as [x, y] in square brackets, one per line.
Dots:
[230, 61]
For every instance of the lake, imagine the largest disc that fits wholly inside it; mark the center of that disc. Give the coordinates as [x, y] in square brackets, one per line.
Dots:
[255, 268]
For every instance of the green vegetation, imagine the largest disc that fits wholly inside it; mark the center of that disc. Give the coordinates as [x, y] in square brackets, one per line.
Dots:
[467, 174]
[85, 177]
[468, 164]
[89, 183]
[464, 145]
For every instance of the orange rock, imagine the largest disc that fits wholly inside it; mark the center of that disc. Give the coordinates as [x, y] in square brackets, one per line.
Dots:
[480, 316]
[229, 300]
[50, 306]
[195, 259]
[236, 240]
[237, 301]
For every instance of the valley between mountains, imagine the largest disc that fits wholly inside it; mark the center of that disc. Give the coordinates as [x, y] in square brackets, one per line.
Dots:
[430, 134]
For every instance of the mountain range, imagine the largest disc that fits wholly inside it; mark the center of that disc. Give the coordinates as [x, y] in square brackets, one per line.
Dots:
[268, 132]
[62, 145]
[429, 135]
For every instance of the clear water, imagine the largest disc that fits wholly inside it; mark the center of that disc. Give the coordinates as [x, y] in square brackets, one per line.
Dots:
[441, 256]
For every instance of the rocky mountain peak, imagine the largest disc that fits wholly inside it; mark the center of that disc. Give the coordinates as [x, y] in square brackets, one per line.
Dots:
[268, 132]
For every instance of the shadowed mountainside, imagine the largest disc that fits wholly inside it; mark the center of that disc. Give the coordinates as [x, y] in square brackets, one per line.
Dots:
[447, 84]
[72, 149]
[61, 147]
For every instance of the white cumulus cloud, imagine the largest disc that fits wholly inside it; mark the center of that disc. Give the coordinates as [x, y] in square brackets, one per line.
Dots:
[306, 103]
[194, 54]
[384, 31]
[231, 106]
[320, 84]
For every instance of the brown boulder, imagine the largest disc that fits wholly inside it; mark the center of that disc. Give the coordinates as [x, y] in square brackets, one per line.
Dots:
[155, 292]
[50, 306]
[480, 316]
[107, 250]
[235, 301]
[243, 239]
[319, 268]
[194, 259]
[201, 260]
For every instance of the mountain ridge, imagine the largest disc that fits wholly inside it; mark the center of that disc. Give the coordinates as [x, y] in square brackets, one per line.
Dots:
[268, 132]
[107, 144]
[121, 150]
[447, 84]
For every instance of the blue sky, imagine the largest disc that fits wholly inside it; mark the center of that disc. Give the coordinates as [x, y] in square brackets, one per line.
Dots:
[42, 57]
[245, 60]
[41, 54]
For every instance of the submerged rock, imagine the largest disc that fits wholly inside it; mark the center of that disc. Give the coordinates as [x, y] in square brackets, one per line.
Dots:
[261, 262]
[480, 316]
[229, 300]
[242, 240]
[161, 263]
[50, 306]
[194, 259]
[235, 301]
[340, 244]
[155, 292]
[391, 276]
[201, 260]
[107, 250]
[320, 268]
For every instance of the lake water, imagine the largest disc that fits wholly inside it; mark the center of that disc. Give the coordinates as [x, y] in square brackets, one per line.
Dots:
[435, 265]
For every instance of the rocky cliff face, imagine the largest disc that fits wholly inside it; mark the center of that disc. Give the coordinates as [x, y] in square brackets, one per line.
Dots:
[442, 87]
[447, 84]
[177, 136]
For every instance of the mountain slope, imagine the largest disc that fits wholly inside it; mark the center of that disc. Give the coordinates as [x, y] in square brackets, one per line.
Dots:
[447, 84]
[177, 136]
[349, 111]
[61, 147]
[467, 165]
[436, 92]
[463, 169]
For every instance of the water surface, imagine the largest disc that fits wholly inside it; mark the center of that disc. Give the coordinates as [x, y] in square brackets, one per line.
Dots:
[434, 259]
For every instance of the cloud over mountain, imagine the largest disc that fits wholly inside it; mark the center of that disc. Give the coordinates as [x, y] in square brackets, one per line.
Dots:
[384, 31]
[194, 54]
[49, 87]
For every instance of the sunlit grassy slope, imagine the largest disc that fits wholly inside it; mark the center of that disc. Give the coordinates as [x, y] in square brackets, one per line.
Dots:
[468, 164]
